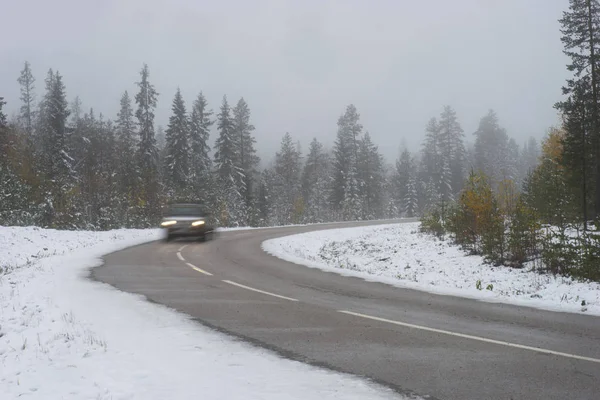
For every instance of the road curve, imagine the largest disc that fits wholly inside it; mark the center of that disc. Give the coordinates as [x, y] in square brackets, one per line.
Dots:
[415, 342]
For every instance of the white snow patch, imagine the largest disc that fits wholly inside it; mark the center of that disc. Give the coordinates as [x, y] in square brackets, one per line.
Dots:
[64, 336]
[401, 256]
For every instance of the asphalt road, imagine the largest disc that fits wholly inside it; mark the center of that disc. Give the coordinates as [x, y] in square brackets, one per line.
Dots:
[441, 346]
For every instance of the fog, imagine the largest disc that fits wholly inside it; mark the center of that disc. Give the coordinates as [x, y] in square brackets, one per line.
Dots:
[299, 63]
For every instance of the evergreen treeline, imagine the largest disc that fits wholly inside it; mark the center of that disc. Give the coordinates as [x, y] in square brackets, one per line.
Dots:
[67, 167]
[552, 215]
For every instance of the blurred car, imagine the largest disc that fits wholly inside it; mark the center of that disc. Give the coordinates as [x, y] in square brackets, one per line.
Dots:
[187, 220]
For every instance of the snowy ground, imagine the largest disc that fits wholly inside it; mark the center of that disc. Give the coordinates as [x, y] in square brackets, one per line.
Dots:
[63, 336]
[399, 255]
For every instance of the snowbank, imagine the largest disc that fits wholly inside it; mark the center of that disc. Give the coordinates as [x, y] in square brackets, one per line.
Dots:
[399, 255]
[63, 336]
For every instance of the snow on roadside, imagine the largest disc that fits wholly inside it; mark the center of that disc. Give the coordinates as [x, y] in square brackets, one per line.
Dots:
[63, 336]
[401, 256]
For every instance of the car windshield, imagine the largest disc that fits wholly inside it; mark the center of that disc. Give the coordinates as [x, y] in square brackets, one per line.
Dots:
[185, 210]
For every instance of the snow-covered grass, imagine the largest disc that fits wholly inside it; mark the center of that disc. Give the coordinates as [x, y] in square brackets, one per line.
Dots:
[401, 256]
[63, 336]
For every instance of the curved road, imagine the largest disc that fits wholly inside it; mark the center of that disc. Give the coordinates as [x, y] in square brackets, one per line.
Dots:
[415, 342]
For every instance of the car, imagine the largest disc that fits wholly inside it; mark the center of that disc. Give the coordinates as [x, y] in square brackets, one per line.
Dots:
[187, 220]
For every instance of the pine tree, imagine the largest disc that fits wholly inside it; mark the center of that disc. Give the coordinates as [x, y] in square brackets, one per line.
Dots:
[491, 149]
[576, 142]
[248, 160]
[371, 178]
[580, 27]
[147, 152]
[435, 174]
[344, 194]
[177, 150]
[13, 191]
[286, 201]
[411, 199]
[27, 82]
[452, 151]
[228, 171]
[126, 149]
[200, 161]
[57, 162]
[316, 182]
[263, 201]
[513, 156]
[404, 169]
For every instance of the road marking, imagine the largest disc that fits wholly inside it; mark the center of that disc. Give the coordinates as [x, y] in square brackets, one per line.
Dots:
[192, 266]
[180, 256]
[478, 338]
[259, 291]
[182, 247]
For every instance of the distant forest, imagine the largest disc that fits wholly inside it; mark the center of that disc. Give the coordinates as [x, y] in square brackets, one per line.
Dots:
[65, 167]
[553, 217]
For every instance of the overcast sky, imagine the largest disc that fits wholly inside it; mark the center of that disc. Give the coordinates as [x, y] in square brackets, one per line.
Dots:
[298, 63]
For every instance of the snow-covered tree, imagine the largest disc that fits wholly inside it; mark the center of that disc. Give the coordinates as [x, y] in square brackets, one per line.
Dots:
[200, 161]
[27, 82]
[452, 151]
[371, 178]
[491, 149]
[316, 183]
[411, 197]
[177, 150]
[345, 192]
[126, 148]
[286, 199]
[248, 160]
[56, 162]
[229, 175]
[147, 152]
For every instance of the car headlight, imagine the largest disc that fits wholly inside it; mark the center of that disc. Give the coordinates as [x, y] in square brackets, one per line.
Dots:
[168, 223]
[197, 223]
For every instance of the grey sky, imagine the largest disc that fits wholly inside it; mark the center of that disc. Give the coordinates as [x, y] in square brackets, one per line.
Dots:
[298, 63]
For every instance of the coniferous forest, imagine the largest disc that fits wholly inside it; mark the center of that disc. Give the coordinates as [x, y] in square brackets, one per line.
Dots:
[69, 167]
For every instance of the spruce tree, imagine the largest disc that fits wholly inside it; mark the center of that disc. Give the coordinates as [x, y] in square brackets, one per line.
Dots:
[147, 152]
[13, 191]
[27, 82]
[177, 150]
[577, 140]
[230, 198]
[580, 27]
[248, 160]
[57, 162]
[452, 151]
[401, 177]
[411, 199]
[126, 161]
[316, 182]
[433, 170]
[371, 178]
[345, 191]
[286, 200]
[200, 161]
[491, 149]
